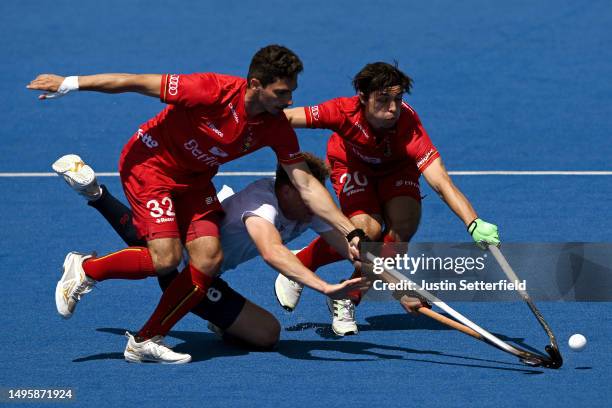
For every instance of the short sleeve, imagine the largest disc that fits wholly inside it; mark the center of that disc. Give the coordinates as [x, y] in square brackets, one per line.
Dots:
[327, 115]
[284, 142]
[190, 89]
[420, 146]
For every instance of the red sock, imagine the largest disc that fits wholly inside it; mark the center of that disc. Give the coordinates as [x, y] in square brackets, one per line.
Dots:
[388, 250]
[185, 291]
[317, 254]
[355, 295]
[129, 263]
[390, 247]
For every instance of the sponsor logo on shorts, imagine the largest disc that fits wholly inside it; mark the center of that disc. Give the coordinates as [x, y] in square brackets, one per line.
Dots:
[217, 151]
[210, 200]
[425, 157]
[173, 83]
[234, 114]
[147, 139]
[193, 147]
[295, 155]
[400, 183]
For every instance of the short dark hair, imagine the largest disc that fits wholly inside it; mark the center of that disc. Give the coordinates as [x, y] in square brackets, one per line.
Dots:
[274, 62]
[318, 168]
[378, 76]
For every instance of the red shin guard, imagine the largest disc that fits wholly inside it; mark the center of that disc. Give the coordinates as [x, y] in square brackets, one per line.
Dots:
[185, 291]
[129, 263]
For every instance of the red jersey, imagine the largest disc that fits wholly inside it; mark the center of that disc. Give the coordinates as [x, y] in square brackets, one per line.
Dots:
[356, 141]
[205, 125]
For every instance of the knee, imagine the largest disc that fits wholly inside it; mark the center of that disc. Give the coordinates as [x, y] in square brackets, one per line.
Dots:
[373, 231]
[371, 225]
[209, 264]
[166, 259]
[268, 335]
[206, 255]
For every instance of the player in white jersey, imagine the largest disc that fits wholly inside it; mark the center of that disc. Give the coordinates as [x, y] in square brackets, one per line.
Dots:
[258, 221]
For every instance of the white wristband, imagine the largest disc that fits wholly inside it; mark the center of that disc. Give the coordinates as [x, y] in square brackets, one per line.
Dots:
[69, 84]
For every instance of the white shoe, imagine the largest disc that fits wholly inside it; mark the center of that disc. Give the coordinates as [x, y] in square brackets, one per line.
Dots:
[79, 176]
[73, 284]
[153, 350]
[343, 316]
[288, 292]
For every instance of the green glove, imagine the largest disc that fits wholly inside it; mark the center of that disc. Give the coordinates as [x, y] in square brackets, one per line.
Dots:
[483, 233]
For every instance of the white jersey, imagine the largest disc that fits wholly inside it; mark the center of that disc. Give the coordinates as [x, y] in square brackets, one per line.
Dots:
[257, 199]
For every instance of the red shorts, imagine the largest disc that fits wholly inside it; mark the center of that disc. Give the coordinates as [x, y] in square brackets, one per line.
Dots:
[363, 190]
[165, 205]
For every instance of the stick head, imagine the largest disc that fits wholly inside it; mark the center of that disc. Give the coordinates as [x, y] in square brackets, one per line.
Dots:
[556, 361]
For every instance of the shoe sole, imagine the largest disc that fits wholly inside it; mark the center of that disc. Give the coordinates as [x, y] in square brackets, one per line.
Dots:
[82, 178]
[132, 358]
[65, 163]
[348, 333]
[59, 292]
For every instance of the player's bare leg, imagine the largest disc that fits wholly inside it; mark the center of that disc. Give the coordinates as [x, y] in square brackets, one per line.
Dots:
[186, 291]
[402, 217]
[189, 287]
[205, 254]
[254, 327]
[166, 254]
[371, 224]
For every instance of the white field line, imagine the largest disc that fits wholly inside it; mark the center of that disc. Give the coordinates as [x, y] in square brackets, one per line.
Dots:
[453, 173]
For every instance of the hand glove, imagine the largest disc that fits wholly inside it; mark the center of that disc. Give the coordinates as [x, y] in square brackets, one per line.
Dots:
[483, 233]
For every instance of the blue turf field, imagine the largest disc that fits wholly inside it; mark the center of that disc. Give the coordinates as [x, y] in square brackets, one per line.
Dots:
[522, 85]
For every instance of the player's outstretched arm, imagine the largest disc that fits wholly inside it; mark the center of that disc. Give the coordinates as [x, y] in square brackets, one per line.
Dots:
[269, 244]
[437, 177]
[296, 117]
[320, 202]
[55, 86]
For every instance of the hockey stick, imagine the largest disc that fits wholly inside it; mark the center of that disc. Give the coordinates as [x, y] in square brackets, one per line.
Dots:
[552, 349]
[463, 324]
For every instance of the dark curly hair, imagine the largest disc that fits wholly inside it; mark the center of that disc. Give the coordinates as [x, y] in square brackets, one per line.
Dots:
[274, 62]
[378, 76]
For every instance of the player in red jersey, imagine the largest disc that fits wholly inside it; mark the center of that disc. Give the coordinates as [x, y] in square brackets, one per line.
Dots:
[166, 170]
[377, 154]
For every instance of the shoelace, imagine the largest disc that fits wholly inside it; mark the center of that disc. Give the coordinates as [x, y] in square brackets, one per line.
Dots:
[295, 284]
[83, 288]
[162, 348]
[345, 309]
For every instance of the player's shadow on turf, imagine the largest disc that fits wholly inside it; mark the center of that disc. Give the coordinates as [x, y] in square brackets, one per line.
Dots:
[364, 351]
[201, 345]
[387, 322]
[400, 321]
